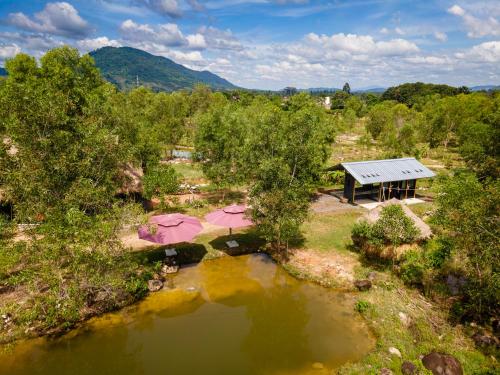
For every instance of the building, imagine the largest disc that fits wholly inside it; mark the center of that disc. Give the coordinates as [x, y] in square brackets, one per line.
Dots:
[383, 179]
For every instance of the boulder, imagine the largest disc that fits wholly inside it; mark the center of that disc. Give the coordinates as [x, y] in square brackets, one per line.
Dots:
[408, 368]
[442, 364]
[363, 285]
[483, 341]
[455, 284]
[405, 319]
[154, 285]
[395, 351]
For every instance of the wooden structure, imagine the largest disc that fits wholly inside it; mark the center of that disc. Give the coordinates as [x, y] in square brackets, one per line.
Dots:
[383, 179]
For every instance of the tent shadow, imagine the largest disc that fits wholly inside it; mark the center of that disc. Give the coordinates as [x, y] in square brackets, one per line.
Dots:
[249, 242]
[187, 253]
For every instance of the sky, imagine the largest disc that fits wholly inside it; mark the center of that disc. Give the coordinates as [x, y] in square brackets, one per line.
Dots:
[271, 44]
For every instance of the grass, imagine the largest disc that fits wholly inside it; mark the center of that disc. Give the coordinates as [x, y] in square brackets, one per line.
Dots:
[191, 173]
[330, 231]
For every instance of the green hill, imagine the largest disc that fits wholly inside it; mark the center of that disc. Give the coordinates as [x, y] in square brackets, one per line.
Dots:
[121, 66]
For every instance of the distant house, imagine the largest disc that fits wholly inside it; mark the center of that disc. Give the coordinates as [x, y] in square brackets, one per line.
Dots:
[327, 103]
[383, 179]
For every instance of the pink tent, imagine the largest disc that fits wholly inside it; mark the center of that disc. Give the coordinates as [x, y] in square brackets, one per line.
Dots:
[230, 217]
[170, 229]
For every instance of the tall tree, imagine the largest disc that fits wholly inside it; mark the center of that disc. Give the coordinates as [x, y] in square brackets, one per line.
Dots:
[346, 88]
[67, 153]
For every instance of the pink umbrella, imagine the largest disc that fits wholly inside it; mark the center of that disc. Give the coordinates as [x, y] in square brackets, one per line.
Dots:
[230, 217]
[170, 229]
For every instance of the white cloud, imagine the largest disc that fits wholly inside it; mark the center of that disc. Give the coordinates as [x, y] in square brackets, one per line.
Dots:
[196, 41]
[96, 43]
[220, 39]
[384, 30]
[442, 37]
[9, 51]
[399, 31]
[59, 18]
[476, 27]
[164, 7]
[485, 52]
[167, 34]
[344, 45]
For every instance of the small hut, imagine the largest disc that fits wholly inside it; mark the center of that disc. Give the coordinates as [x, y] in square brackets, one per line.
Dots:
[383, 179]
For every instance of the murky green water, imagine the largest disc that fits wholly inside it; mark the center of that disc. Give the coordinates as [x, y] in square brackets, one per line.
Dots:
[234, 315]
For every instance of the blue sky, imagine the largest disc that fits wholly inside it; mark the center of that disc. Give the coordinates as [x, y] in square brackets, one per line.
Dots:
[270, 44]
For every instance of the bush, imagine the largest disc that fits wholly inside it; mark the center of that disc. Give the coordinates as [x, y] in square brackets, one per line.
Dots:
[392, 228]
[413, 267]
[362, 306]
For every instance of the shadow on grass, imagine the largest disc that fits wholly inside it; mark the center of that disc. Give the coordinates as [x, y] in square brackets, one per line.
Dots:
[186, 253]
[249, 242]
[225, 197]
[373, 261]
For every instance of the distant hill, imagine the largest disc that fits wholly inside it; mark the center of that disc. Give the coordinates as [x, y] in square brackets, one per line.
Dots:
[485, 88]
[121, 66]
[3, 72]
[373, 89]
[409, 93]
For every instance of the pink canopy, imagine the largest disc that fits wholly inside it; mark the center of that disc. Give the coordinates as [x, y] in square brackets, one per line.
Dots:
[230, 217]
[170, 229]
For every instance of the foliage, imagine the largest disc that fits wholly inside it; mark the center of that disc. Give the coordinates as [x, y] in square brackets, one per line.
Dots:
[468, 214]
[362, 306]
[67, 151]
[160, 181]
[409, 93]
[346, 88]
[392, 228]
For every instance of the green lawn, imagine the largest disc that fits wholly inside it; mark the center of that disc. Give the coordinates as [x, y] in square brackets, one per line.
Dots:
[190, 172]
[330, 231]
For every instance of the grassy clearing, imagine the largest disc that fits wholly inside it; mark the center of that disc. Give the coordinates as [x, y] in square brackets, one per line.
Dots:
[191, 172]
[330, 231]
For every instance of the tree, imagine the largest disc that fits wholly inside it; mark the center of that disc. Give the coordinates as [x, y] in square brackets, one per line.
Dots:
[68, 153]
[468, 213]
[346, 88]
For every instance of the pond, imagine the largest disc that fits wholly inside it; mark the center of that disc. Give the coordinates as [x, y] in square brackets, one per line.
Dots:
[232, 315]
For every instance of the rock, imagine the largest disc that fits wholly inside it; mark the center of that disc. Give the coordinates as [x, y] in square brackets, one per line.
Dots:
[154, 285]
[372, 276]
[395, 351]
[166, 269]
[455, 284]
[408, 368]
[442, 364]
[318, 366]
[405, 320]
[484, 341]
[385, 371]
[363, 285]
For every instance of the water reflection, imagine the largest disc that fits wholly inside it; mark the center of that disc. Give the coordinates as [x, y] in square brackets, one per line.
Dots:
[234, 315]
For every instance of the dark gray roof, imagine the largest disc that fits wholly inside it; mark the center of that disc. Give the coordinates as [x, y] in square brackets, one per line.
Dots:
[372, 171]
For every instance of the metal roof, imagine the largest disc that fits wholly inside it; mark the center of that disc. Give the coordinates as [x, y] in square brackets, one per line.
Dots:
[373, 171]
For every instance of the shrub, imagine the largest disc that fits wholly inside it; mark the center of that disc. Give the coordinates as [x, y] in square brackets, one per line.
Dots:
[413, 268]
[394, 227]
[362, 306]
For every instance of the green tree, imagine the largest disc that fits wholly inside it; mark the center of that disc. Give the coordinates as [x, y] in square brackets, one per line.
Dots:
[346, 88]
[67, 152]
[468, 214]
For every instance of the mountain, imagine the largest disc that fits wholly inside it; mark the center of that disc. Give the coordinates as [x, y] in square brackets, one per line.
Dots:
[485, 88]
[370, 89]
[3, 72]
[124, 65]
